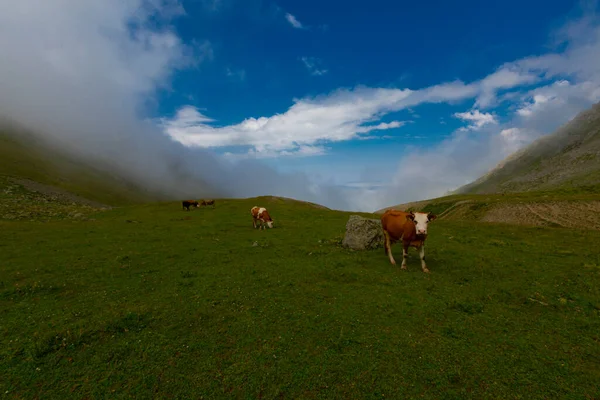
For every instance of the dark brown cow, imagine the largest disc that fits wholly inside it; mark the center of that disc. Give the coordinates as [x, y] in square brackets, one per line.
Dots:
[208, 203]
[411, 228]
[261, 215]
[188, 203]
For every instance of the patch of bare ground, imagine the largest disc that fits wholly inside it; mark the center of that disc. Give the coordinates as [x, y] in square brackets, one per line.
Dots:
[568, 214]
[56, 193]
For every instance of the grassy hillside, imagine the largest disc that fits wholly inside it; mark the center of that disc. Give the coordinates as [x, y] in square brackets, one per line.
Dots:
[577, 208]
[553, 182]
[568, 158]
[154, 302]
[26, 161]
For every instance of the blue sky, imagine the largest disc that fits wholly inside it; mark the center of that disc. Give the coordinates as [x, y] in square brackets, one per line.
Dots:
[265, 54]
[357, 105]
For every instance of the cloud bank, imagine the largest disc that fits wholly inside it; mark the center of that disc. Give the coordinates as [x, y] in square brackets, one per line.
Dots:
[89, 75]
[567, 83]
[345, 114]
[84, 75]
[540, 93]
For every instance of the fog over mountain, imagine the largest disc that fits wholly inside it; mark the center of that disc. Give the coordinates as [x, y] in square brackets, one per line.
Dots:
[81, 74]
[85, 76]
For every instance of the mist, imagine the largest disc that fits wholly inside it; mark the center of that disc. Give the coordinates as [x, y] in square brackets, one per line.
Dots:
[85, 77]
[82, 76]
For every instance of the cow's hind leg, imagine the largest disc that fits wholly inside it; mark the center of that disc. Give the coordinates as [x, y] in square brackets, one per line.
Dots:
[422, 257]
[388, 247]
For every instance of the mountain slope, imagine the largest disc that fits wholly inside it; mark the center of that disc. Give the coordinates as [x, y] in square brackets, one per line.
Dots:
[551, 208]
[569, 158]
[555, 181]
[27, 161]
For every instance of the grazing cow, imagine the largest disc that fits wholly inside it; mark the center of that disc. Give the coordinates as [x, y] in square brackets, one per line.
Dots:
[411, 228]
[188, 203]
[261, 215]
[208, 203]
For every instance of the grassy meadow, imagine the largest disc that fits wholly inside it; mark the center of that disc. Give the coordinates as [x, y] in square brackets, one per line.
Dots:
[154, 302]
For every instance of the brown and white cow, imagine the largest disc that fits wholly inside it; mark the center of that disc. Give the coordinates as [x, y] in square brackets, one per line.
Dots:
[208, 203]
[411, 228]
[261, 215]
[188, 203]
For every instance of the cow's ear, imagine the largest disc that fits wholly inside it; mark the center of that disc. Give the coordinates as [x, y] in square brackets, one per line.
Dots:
[411, 216]
[431, 216]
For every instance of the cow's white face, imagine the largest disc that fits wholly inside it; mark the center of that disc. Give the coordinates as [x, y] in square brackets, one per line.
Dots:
[270, 224]
[421, 221]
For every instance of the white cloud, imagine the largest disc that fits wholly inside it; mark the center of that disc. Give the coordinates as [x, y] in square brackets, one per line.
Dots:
[381, 126]
[477, 118]
[311, 64]
[266, 153]
[542, 95]
[567, 83]
[538, 100]
[90, 70]
[83, 75]
[237, 74]
[515, 138]
[510, 133]
[338, 116]
[545, 91]
[505, 77]
[293, 21]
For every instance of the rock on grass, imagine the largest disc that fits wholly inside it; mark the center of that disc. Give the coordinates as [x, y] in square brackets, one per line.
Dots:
[363, 233]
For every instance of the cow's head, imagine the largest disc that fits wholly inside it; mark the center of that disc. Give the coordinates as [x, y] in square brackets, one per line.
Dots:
[421, 221]
[270, 223]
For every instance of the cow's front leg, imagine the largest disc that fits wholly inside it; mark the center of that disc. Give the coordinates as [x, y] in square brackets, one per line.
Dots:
[404, 255]
[422, 257]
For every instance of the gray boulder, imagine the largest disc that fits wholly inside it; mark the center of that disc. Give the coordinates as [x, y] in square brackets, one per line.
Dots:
[363, 233]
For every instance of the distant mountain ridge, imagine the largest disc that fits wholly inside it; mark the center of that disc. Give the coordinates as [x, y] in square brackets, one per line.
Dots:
[566, 158]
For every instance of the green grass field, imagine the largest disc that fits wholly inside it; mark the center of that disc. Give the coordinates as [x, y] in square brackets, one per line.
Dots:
[155, 302]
